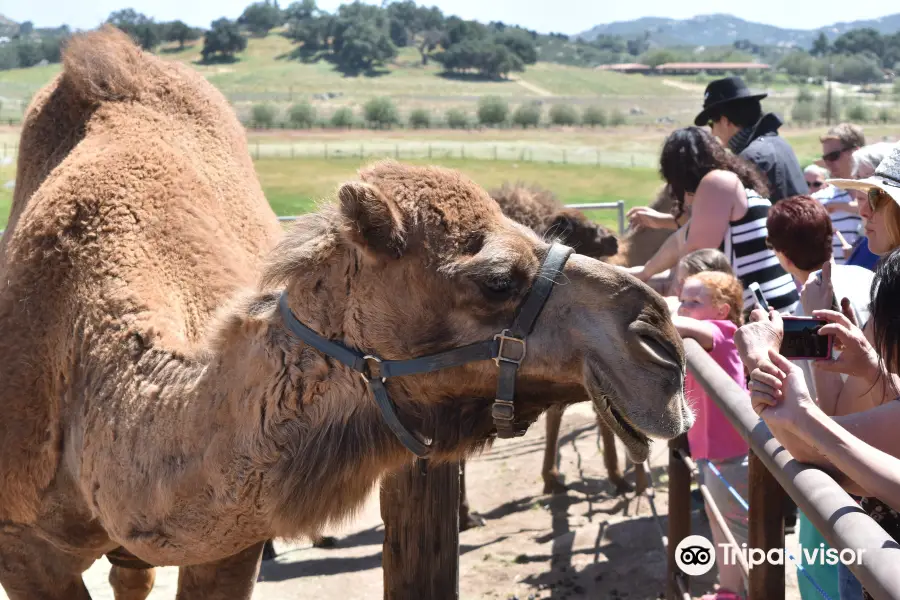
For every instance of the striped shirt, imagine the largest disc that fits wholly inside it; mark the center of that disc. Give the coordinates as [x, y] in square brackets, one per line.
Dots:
[846, 222]
[745, 247]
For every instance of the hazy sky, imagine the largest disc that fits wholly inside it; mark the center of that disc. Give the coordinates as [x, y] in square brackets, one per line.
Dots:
[566, 16]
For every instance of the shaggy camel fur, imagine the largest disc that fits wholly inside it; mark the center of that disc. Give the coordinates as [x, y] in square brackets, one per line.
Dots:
[637, 247]
[154, 402]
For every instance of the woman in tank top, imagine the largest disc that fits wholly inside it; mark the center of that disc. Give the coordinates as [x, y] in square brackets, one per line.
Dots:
[727, 198]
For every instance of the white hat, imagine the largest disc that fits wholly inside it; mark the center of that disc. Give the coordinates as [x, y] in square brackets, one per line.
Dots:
[886, 177]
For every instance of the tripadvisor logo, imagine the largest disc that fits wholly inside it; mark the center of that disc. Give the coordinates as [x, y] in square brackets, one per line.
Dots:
[695, 555]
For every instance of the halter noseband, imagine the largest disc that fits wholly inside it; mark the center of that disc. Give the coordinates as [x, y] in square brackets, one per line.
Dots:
[507, 349]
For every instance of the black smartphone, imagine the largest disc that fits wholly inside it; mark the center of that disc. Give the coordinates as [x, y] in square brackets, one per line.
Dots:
[802, 340]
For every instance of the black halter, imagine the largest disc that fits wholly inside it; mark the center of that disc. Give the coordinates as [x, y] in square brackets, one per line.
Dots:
[506, 348]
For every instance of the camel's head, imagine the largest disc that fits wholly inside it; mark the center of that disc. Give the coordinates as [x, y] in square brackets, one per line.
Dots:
[587, 237]
[424, 261]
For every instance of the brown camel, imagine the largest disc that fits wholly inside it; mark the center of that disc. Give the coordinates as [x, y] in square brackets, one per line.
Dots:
[540, 210]
[158, 403]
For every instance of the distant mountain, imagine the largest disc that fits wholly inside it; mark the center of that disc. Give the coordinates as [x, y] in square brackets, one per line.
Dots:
[8, 27]
[722, 29]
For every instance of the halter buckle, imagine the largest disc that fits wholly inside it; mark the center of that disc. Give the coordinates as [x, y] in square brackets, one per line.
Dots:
[503, 410]
[504, 337]
[367, 374]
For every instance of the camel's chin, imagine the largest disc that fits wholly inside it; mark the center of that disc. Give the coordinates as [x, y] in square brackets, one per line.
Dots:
[636, 443]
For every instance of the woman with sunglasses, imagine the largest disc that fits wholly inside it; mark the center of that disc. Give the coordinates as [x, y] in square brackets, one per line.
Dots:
[727, 197]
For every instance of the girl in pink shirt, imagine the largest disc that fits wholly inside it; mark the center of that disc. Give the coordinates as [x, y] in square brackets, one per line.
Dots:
[710, 312]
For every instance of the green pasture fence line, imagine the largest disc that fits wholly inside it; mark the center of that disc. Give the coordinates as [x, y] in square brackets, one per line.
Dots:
[507, 152]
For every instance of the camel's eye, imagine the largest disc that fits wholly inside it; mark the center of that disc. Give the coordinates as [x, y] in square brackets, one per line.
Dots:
[498, 287]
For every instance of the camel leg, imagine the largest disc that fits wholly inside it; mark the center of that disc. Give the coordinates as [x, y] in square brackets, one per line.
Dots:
[552, 481]
[641, 481]
[32, 569]
[467, 519]
[231, 578]
[131, 584]
[269, 550]
[611, 459]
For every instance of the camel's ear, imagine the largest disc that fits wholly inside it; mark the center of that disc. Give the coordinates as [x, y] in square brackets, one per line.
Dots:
[375, 221]
[562, 226]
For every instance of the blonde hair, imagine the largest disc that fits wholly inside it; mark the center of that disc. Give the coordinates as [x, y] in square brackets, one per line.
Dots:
[724, 289]
[892, 222]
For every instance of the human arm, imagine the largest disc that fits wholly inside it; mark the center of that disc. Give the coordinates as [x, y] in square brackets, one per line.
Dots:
[644, 217]
[702, 331]
[717, 197]
[863, 447]
[666, 257]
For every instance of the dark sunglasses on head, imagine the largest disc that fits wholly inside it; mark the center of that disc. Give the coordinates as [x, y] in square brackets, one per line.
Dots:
[833, 156]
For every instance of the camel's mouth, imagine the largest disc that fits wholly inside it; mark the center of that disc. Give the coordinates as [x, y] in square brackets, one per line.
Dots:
[636, 443]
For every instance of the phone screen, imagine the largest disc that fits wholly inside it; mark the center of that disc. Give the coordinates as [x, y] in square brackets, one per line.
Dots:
[802, 339]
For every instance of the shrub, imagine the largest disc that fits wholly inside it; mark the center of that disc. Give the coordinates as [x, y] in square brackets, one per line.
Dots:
[563, 114]
[263, 115]
[381, 113]
[885, 115]
[593, 116]
[302, 114]
[858, 113]
[457, 119]
[492, 111]
[342, 118]
[803, 112]
[527, 115]
[617, 118]
[420, 119]
[804, 95]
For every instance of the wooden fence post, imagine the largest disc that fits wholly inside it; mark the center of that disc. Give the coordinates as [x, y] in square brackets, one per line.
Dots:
[679, 513]
[766, 529]
[420, 556]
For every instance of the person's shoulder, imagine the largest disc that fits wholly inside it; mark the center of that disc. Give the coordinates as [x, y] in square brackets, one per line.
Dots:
[721, 179]
[853, 276]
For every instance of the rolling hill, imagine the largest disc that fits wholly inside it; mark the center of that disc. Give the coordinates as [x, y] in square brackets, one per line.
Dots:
[722, 29]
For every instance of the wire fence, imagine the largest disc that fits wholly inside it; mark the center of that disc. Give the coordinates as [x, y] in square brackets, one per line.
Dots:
[438, 150]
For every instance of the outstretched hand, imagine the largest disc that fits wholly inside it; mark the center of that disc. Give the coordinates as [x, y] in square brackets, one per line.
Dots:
[754, 340]
[818, 291]
[644, 217]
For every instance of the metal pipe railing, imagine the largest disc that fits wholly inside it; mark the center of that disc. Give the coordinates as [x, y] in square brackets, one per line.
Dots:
[828, 507]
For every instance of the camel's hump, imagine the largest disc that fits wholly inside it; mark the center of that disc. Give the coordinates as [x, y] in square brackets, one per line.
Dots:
[103, 65]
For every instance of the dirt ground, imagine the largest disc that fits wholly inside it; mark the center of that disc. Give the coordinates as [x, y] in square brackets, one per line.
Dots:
[587, 544]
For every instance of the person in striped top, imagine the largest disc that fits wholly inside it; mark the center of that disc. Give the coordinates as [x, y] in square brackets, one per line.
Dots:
[729, 207]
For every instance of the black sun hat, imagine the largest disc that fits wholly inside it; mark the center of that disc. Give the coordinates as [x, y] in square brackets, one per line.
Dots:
[723, 91]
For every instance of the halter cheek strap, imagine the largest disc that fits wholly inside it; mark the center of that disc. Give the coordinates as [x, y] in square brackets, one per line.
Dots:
[507, 349]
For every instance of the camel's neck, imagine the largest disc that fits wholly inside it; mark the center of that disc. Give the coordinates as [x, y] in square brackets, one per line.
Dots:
[260, 436]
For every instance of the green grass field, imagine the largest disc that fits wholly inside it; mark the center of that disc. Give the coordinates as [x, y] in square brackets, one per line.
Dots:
[295, 186]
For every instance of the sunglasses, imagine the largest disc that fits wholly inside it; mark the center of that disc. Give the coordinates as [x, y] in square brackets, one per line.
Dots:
[833, 156]
[876, 198]
[814, 185]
